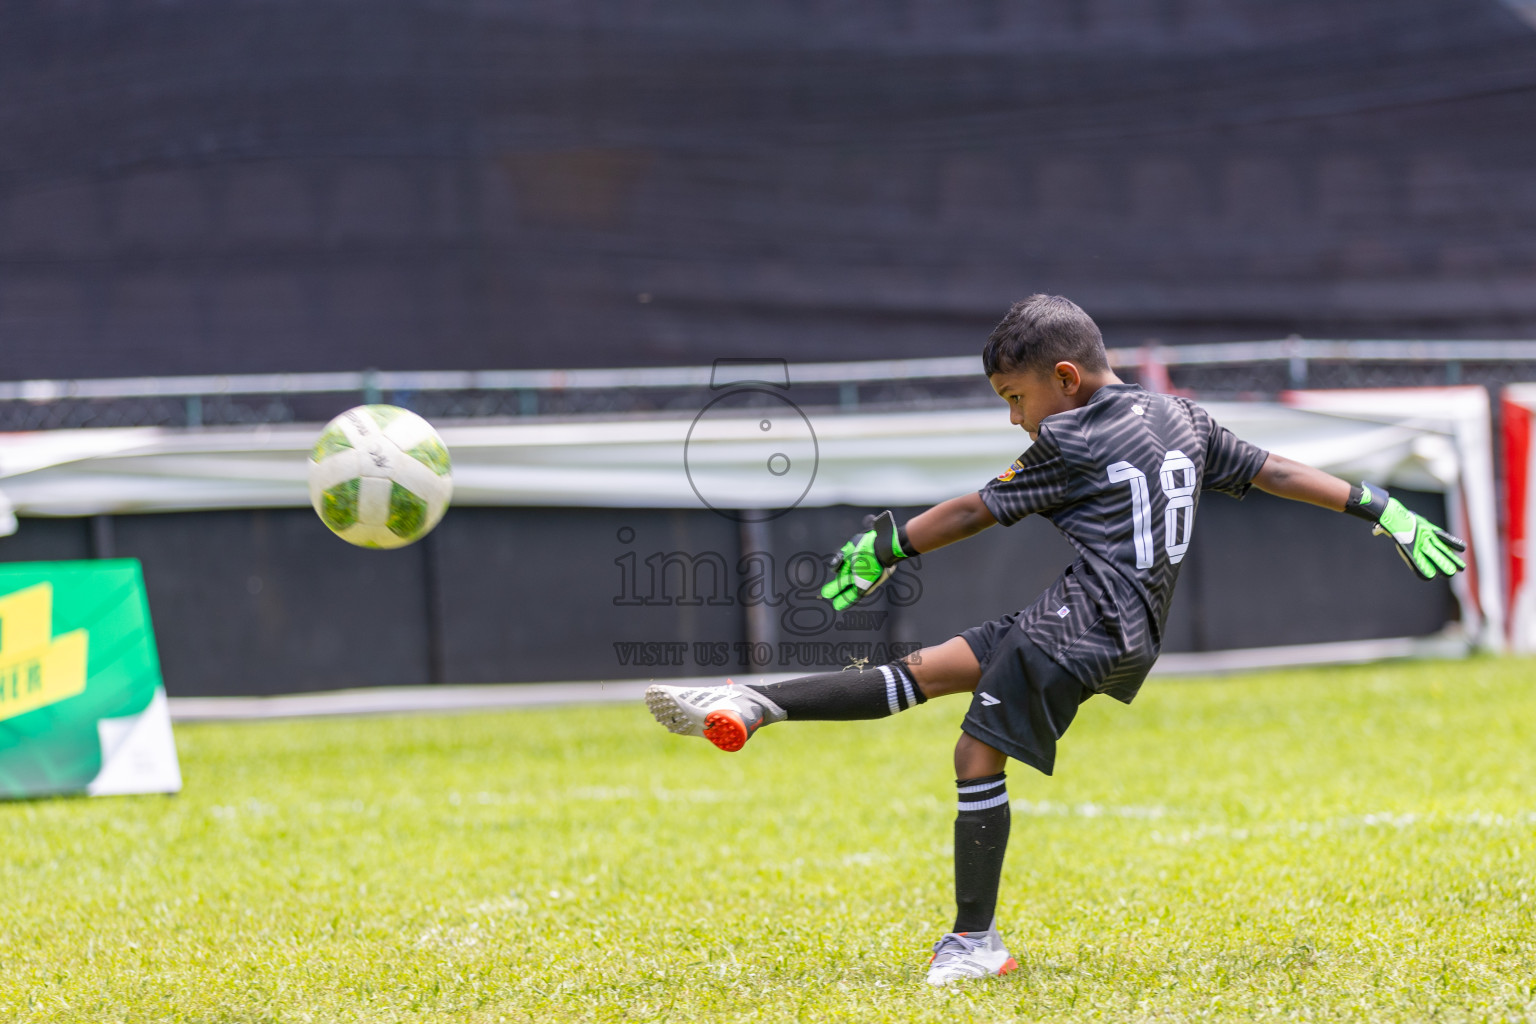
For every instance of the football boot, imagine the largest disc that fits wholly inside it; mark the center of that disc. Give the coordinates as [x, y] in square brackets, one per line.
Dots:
[962, 955]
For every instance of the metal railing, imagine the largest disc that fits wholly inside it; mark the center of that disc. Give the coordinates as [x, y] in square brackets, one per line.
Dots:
[1251, 368]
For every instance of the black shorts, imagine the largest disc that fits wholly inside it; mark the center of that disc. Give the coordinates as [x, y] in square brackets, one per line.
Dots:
[1025, 700]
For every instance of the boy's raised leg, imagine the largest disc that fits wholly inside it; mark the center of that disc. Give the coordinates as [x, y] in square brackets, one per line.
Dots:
[730, 715]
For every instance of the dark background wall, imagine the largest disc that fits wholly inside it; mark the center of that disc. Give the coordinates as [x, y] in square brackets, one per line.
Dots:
[292, 185]
[262, 602]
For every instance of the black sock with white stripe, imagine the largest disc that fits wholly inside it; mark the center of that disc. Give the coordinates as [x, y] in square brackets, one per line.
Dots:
[981, 839]
[848, 695]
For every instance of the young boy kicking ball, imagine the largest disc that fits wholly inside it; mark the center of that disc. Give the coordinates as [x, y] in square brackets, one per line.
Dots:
[1119, 471]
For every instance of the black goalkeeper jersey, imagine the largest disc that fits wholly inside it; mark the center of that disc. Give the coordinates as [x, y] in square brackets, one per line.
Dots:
[1121, 477]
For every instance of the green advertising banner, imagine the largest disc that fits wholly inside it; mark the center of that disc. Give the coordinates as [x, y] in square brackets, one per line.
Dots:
[82, 706]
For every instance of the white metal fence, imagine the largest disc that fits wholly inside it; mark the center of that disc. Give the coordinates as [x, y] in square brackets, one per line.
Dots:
[1253, 368]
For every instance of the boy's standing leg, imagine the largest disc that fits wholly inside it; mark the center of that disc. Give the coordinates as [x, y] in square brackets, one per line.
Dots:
[972, 948]
[1022, 702]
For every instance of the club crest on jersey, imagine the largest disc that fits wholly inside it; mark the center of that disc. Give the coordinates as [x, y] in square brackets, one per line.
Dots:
[1008, 474]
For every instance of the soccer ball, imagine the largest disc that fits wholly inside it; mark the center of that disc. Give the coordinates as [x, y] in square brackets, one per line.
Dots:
[379, 476]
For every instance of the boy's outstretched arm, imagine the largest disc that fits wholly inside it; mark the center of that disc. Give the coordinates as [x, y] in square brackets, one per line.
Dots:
[870, 556]
[1287, 478]
[1428, 550]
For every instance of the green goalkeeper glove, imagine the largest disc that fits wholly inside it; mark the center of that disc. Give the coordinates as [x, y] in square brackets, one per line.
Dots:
[866, 561]
[1426, 548]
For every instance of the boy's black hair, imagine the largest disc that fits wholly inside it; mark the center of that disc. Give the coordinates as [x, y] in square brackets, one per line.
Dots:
[1040, 332]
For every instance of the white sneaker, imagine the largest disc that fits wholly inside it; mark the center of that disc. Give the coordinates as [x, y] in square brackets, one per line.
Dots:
[727, 715]
[961, 955]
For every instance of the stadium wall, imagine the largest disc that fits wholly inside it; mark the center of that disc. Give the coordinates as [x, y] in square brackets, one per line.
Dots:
[249, 602]
[297, 185]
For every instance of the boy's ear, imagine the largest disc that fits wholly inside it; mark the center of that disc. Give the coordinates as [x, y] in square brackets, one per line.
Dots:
[1067, 377]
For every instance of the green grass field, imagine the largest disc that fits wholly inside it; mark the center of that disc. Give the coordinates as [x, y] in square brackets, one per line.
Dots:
[1327, 845]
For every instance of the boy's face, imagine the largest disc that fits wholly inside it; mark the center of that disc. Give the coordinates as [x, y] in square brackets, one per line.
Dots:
[1032, 395]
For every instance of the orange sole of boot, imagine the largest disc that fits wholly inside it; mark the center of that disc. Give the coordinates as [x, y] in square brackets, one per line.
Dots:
[726, 730]
[1008, 965]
